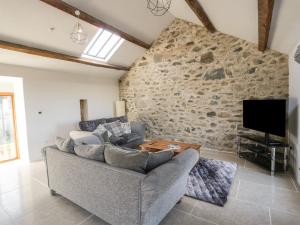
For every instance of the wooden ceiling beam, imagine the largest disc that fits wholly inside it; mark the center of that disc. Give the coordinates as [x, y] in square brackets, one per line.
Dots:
[265, 11]
[59, 4]
[55, 55]
[201, 14]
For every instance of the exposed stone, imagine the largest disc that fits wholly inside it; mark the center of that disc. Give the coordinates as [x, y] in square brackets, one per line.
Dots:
[176, 63]
[196, 49]
[195, 101]
[211, 114]
[257, 61]
[217, 74]
[157, 58]
[143, 64]
[207, 58]
[238, 49]
[252, 70]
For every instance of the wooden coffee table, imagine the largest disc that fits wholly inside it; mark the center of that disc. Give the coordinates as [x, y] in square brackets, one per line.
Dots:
[159, 145]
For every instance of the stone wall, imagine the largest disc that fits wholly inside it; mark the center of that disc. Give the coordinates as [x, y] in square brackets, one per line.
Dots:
[190, 85]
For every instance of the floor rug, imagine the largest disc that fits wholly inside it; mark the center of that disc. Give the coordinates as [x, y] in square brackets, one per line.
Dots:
[210, 180]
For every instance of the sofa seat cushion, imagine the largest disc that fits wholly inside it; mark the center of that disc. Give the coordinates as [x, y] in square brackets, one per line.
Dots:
[95, 152]
[132, 160]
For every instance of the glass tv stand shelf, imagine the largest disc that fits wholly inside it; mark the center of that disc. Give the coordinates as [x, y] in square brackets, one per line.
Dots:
[271, 154]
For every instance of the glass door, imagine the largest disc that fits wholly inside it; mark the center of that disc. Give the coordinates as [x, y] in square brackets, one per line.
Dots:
[8, 141]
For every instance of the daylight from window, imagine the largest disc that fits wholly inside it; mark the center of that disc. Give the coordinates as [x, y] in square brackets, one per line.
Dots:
[103, 45]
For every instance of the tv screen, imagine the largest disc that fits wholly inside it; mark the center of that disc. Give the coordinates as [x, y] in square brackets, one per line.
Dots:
[268, 116]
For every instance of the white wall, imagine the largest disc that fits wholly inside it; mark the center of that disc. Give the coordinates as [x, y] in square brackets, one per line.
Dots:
[57, 96]
[294, 114]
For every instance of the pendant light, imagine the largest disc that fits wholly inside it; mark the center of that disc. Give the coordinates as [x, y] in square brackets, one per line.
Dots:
[158, 7]
[78, 35]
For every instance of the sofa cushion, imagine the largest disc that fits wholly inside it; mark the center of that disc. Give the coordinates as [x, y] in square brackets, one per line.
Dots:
[65, 145]
[131, 137]
[85, 137]
[90, 125]
[156, 159]
[122, 119]
[95, 152]
[132, 160]
[115, 128]
[126, 127]
[117, 140]
[100, 130]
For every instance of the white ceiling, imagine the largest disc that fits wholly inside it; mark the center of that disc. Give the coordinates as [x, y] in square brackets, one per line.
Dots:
[28, 22]
[240, 19]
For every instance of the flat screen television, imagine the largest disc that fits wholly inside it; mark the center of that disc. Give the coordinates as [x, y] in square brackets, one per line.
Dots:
[268, 116]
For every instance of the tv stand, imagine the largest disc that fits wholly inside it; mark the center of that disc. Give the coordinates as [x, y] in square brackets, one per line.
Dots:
[269, 153]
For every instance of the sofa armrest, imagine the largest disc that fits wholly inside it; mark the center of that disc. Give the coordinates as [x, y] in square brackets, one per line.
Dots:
[138, 127]
[162, 178]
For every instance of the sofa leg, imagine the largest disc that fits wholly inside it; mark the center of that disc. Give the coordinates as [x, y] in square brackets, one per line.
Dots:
[52, 192]
[179, 201]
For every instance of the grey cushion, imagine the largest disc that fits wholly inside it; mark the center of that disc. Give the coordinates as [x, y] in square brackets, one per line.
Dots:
[95, 152]
[115, 128]
[122, 119]
[66, 145]
[85, 138]
[132, 160]
[100, 130]
[156, 159]
[117, 140]
[126, 127]
[91, 125]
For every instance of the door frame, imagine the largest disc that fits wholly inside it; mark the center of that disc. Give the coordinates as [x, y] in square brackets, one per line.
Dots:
[10, 94]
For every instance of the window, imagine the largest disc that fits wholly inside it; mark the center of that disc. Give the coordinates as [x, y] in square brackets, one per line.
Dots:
[103, 45]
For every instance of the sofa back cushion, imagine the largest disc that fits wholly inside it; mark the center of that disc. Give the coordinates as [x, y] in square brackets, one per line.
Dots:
[91, 125]
[132, 160]
[92, 151]
[65, 145]
[159, 158]
[85, 138]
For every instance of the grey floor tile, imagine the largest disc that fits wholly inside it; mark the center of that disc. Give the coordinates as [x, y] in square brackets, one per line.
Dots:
[176, 217]
[186, 204]
[230, 157]
[255, 193]
[288, 201]
[4, 218]
[278, 181]
[283, 218]
[94, 220]
[60, 212]
[26, 198]
[235, 212]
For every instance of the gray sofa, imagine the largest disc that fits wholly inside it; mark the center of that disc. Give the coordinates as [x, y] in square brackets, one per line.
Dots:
[132, 140]
[119, 196]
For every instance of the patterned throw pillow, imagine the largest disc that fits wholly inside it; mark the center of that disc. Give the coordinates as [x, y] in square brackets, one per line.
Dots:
[115, 128]
[126, 128]
[100, 130]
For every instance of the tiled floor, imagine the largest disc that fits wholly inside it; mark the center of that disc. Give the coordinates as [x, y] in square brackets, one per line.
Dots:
[255, 199]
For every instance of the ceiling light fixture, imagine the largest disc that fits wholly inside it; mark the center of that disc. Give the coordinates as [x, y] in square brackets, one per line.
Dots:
[158, 7]
[78, 35]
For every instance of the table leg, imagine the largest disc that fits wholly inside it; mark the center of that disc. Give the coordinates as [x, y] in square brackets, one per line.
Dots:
[273, 162]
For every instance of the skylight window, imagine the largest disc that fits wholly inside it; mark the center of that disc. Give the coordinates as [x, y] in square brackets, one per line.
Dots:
[103, 45]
